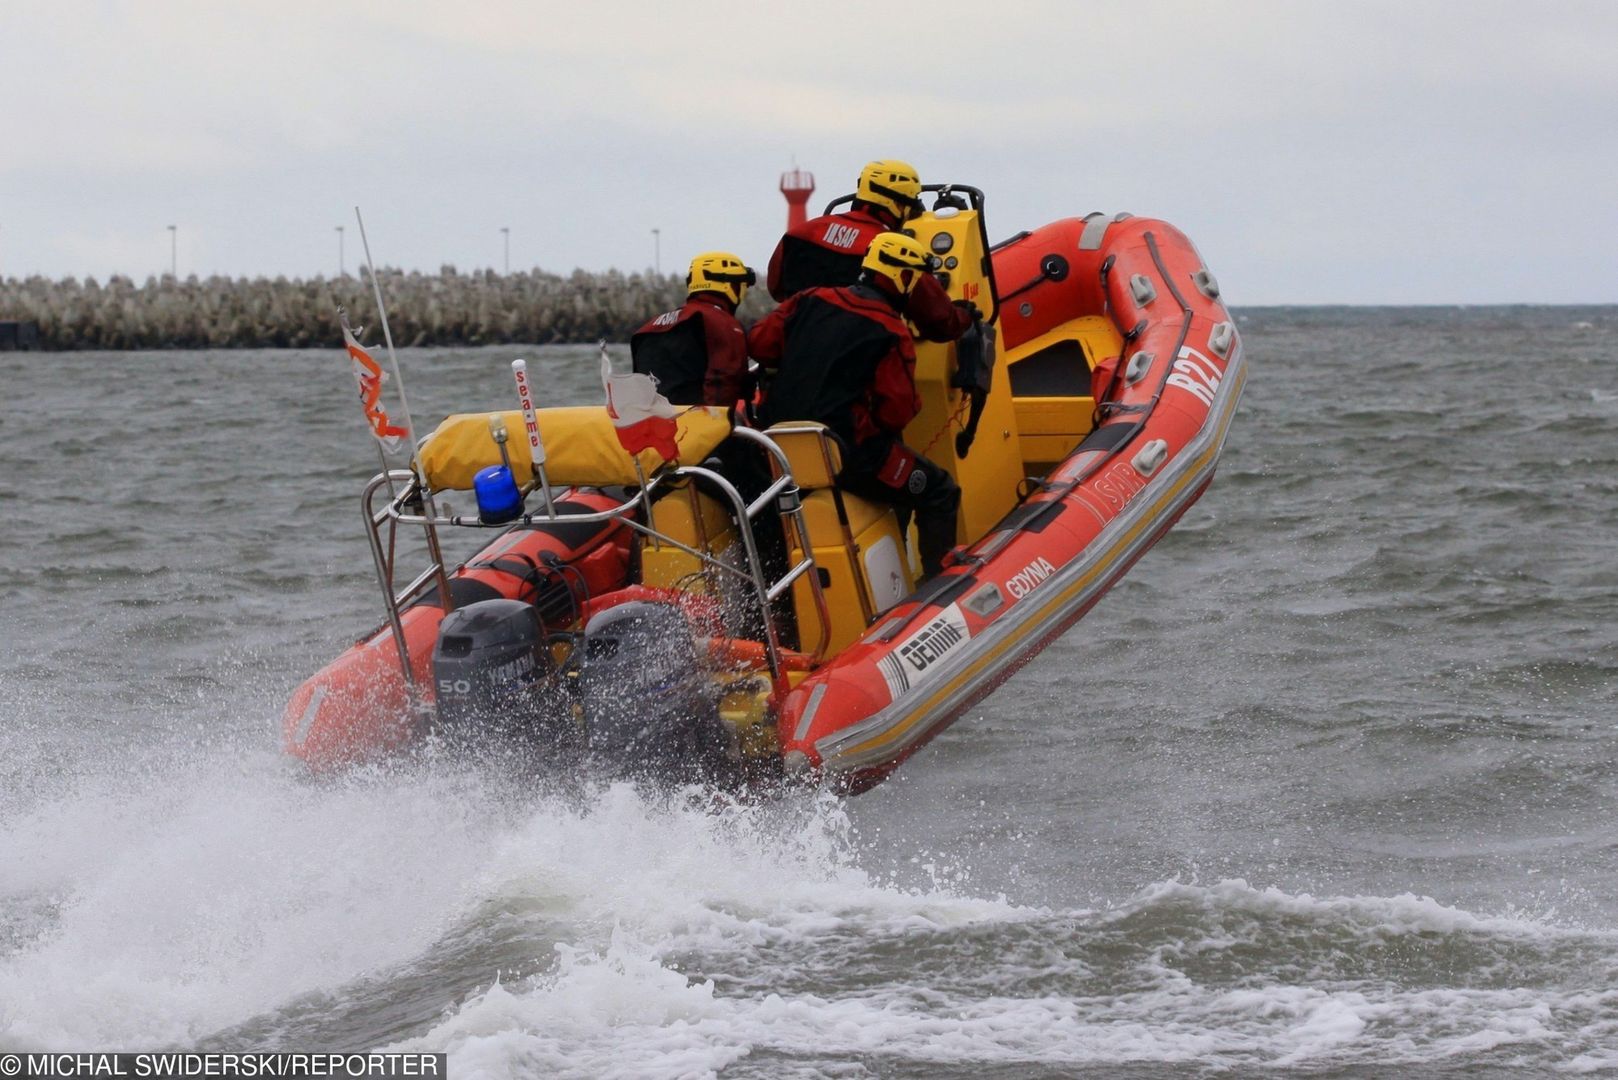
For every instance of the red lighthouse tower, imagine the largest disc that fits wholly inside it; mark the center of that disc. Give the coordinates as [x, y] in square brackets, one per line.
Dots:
[797, 186]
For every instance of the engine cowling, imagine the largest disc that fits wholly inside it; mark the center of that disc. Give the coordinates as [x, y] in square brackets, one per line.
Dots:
[490, 666]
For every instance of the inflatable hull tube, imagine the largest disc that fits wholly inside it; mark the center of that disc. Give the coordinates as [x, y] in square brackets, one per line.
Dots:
[1047, 562]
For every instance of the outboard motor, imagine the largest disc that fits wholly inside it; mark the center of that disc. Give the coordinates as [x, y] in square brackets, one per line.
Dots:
[648, 707]
[490, 669]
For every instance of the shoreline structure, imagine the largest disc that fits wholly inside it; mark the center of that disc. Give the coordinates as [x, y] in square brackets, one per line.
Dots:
[481, 307]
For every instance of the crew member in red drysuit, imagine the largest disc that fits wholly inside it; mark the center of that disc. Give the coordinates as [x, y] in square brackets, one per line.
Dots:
[828, 250]
[698, 353]
[844, 357]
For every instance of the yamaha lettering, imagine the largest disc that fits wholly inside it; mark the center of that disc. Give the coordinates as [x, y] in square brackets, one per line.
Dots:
[513, 669]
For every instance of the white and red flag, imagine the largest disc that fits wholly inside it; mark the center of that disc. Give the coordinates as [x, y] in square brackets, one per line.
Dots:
[640, 415]
[370, 377]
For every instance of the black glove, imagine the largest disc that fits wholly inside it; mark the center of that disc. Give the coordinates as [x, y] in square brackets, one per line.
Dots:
[970, 308]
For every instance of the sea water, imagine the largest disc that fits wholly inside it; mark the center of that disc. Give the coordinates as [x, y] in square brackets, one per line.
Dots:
[1327, 784]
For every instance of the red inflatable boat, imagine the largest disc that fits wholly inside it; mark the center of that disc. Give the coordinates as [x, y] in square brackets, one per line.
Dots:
[631, 617]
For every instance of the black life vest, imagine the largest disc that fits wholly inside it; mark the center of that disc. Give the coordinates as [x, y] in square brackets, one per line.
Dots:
[673, 349]
[825, 251]
[830, 357]
[806, 265]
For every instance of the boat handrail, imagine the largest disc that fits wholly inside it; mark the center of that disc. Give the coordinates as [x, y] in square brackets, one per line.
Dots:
[409, 505]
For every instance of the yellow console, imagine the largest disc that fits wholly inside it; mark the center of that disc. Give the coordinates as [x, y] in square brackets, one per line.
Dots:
[992, 468]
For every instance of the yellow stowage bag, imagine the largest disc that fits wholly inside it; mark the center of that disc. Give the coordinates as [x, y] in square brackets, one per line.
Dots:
[580, 446]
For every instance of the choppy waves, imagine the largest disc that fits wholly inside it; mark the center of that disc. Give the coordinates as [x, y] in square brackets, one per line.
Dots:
[1325, 785]
[881, 983]
[213, 897]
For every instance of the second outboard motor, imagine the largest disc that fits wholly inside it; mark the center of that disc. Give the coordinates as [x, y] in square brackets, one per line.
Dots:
[648, 708]
[490, 668]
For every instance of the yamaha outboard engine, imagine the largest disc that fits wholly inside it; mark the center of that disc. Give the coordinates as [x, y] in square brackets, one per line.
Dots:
[648, 707]
[490, 670]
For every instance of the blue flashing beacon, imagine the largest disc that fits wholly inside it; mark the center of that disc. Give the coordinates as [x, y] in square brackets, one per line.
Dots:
[499, 501]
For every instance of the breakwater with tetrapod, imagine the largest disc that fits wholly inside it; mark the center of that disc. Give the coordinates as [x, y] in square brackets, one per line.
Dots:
[447, 308]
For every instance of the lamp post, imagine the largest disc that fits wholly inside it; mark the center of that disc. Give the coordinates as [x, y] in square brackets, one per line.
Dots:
[174, 252]
[505, 234]
[342, 266]
[657, 251]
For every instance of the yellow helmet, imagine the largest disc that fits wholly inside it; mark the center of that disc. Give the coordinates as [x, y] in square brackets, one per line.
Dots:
[891, 184]
[720, 272]
[899, 258]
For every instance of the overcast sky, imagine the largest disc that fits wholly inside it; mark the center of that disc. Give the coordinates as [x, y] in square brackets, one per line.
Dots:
[1347, 151]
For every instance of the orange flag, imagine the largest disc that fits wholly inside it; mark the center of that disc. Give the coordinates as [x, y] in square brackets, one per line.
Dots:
[370, 377]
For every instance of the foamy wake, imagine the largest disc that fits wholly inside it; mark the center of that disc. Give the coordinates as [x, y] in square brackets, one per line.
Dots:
[164, 907]
[622, 1010]
[623, 1007]
[156, 906]
[160, 902]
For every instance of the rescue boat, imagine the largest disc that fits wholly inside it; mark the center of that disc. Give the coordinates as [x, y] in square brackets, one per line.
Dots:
[623, 612]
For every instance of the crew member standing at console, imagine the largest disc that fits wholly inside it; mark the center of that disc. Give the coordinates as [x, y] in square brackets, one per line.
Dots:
[698, 353]
[828, 250]
[844, 357]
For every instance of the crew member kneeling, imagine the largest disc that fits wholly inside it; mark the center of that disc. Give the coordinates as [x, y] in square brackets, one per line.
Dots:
[698, 353]
[844, 357]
